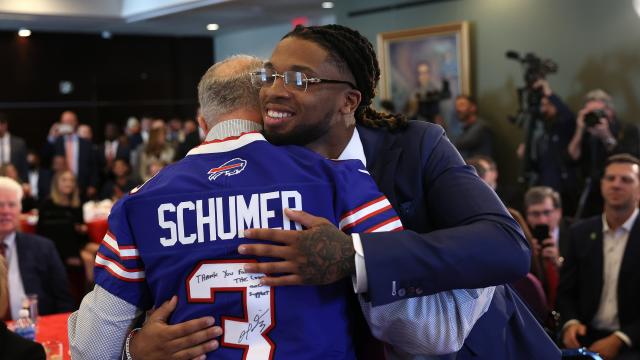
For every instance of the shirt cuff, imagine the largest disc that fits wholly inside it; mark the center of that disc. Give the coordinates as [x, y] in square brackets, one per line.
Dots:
[360, 284]
[625, 339]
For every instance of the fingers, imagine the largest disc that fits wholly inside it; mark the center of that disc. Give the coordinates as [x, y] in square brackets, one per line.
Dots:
[570, 339]
[189, 328]
[195, 340]
[197, 352]
[285, 280]
[275, 251]
[162, 313]
[280, 267]
[582, 330]
[281, 236]
[304, 218]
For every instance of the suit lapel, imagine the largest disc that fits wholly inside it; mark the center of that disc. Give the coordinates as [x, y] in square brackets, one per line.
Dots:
[22, 262]
[382, 159]
[596, 257]
[632, 251]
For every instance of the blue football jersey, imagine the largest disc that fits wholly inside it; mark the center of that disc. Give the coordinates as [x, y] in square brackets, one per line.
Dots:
[178, 234]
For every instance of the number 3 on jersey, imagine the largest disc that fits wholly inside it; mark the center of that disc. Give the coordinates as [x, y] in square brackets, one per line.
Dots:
[251, 332]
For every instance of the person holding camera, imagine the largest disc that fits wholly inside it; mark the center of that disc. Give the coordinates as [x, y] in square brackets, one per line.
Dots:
[549, 157]
[598, 135]
[543, 211]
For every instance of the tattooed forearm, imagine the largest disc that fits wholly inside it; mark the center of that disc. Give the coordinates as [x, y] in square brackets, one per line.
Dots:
[328, 255]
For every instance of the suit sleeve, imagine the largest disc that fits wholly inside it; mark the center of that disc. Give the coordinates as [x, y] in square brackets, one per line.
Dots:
[361, 207]
[119, 269]
[475, 243]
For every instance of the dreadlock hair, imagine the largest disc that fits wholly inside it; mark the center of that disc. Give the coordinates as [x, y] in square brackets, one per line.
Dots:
[352, 52]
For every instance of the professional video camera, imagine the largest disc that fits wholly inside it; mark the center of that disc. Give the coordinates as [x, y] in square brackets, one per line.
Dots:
[534, 69]
[529, 98]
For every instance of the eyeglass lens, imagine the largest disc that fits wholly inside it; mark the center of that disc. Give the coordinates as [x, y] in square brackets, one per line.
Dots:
[266, 77]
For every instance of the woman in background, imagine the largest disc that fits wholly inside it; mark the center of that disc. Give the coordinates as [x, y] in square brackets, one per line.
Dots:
[157, 149]
[61, 220]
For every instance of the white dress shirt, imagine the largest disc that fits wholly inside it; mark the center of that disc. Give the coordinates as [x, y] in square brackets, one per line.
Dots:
[5, 149]
[16, 287]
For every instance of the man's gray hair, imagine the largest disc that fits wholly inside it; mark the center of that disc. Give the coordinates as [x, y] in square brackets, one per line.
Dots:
[599, 95]
[227, 86]
[538, 194]
[8, 183]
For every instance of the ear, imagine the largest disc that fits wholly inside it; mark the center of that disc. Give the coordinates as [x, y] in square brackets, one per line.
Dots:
[203, 124]
[351, 101]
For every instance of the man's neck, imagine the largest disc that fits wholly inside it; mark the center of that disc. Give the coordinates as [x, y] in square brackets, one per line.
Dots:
[617, 217]
[333, 144]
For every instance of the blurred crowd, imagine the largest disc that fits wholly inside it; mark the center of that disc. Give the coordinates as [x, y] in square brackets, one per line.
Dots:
[65, 190]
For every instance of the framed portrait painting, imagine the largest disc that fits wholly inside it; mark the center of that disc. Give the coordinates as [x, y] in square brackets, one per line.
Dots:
[424, 69]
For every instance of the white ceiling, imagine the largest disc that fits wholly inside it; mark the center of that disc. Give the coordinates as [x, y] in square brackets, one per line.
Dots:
[158, 17]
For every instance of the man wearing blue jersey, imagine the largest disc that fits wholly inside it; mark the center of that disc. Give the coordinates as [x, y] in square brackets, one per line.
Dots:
[178, 234]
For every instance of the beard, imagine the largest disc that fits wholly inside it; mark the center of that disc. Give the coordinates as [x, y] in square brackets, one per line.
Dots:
[301, 135]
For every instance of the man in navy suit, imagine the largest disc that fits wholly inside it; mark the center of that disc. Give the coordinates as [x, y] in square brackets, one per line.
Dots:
[79, 153]
[599, 287]
[460, 235]
[32, 262]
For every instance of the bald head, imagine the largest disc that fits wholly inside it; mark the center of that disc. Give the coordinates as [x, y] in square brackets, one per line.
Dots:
[226, 87]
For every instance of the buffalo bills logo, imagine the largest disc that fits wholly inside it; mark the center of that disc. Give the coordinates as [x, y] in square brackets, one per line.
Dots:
[231, 167]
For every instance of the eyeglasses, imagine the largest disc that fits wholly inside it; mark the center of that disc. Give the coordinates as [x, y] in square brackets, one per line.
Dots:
[536, 214]
[292, 79]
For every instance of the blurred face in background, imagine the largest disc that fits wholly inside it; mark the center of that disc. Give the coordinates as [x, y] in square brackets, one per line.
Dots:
[4, 128]
[85, 132]
[464, 108]
[120, 168]
[620, 186]
[69, 118]
[544, 213]
[10, 208]
[66, 183]
[59, 163]
[423, 74]
[548, 110]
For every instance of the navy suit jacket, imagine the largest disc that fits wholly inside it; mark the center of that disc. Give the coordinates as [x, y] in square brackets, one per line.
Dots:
[87, 170]
[43, 273]
[459, 236]
[581, 277]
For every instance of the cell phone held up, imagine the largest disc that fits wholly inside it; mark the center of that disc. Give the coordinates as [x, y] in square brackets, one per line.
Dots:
[540, 232]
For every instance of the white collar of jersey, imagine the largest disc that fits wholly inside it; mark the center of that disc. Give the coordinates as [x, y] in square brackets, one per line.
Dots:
[227, 144]
[354, 149]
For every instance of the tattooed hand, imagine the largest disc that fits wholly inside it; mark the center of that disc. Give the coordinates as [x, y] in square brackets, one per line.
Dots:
[319, 255]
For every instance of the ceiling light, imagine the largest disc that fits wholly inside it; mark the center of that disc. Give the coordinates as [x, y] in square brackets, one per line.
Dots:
[636, 6]
[327, 5]
[24, 32]
[213, 27]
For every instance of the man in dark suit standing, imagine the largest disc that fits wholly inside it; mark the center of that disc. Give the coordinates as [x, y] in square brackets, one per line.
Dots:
[599, 288]
[12, 149]
[32, 262]
[79, 154]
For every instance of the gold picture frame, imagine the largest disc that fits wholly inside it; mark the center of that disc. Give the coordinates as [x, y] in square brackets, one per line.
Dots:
[445, 48]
